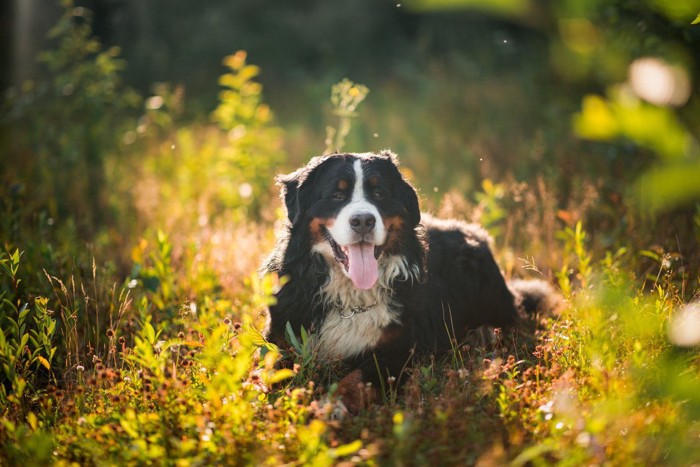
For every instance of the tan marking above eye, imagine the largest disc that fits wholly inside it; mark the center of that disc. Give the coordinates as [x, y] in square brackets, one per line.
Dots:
[394, 222]
[343, 184]
[374, 180]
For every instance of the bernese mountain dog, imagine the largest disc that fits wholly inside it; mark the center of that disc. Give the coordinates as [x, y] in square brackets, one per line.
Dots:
[376, 282]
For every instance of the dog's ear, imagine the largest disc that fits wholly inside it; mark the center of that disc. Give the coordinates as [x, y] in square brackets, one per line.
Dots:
[409, 196]
[289, 192]
[407, 193]
[296, 188]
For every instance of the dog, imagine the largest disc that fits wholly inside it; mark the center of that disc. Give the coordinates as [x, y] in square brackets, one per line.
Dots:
[375, 281]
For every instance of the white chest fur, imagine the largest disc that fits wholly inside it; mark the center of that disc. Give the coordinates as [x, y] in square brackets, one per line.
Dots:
[342, 337]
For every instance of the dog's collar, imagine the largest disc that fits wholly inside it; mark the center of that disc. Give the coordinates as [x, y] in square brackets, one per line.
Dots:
[347, 314]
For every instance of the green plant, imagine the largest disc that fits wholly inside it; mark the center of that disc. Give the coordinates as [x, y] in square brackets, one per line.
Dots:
[577, 260]
[489, 209]
[671, 181]
[345, 97]
[67, 122]
[26, 342]
[155, 272]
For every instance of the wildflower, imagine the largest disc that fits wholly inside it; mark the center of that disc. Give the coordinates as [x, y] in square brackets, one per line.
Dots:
[547, 410]
[180, 335]
[80, 368]
[539, 351]
[110, 333]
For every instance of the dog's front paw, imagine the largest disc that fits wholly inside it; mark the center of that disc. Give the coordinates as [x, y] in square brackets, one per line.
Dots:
[355, 392]
[329, 409]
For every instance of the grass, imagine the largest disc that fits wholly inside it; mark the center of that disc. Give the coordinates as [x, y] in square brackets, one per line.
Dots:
[139, 340]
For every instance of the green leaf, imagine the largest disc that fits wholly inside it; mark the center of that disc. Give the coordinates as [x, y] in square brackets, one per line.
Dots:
[304, 336]
[23, 342]
[23, 312]
[129, 428]
[669, 185]
[149, 333]
[292, 338]
[696, 20]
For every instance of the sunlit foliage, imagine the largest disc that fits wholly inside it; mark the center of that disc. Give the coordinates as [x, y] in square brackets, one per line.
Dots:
[132, 318]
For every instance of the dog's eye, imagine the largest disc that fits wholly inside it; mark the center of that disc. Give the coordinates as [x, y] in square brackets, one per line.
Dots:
[378, 194]
[339, 196]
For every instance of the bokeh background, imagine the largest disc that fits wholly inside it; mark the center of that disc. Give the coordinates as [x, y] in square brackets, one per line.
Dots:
[527, 116]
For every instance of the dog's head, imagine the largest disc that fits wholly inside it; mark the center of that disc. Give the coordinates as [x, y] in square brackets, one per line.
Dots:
[355, 207]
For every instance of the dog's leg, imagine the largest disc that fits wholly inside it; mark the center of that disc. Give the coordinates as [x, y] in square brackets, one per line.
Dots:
[380, 371]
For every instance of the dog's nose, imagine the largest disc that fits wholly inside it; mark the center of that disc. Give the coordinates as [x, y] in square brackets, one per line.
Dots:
[363, 222]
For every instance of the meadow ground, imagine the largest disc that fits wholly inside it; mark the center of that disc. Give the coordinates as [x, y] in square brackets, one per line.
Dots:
[131, 308]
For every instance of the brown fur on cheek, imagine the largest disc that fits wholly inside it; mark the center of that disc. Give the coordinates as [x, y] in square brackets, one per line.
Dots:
[354, 393]
[393, 226]
[316, 228]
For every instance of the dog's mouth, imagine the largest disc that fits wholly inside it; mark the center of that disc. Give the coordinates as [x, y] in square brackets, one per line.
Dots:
[359, 260]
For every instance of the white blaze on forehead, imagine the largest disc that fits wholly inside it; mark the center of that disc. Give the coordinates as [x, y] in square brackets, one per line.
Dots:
[358, 192]
[341, 230]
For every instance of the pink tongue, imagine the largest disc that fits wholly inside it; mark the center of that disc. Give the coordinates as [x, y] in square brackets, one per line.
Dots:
[362, 265]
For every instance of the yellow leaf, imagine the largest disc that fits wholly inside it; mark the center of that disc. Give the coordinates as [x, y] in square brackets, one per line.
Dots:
[44, 362]
[193, 344]
[346, 449]
[596, 120]
[236, 61]
[32, 420]
[281, 375]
